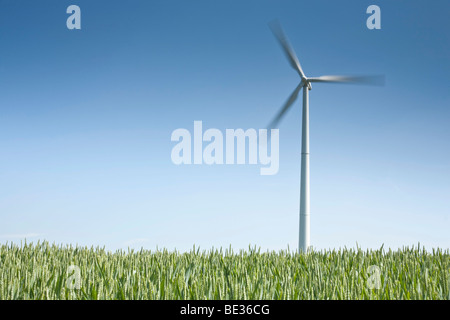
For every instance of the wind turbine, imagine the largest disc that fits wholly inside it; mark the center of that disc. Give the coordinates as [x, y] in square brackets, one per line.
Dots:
[305, 83]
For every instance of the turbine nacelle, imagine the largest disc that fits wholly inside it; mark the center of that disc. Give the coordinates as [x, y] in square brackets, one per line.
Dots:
[306, 82]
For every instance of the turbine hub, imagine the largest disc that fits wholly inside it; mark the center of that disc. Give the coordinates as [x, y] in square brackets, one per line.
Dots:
[307, 83]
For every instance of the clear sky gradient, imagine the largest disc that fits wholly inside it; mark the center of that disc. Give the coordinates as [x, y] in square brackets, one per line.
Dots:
[86, 118]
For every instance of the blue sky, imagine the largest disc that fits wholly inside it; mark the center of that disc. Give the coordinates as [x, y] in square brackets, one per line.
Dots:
[86, 118]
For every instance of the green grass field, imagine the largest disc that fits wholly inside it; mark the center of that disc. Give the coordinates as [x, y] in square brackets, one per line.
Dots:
[45, 271]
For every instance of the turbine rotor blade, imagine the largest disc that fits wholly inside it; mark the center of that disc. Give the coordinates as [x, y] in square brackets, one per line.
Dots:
[287, 49]
[377, 80]
[286, 106]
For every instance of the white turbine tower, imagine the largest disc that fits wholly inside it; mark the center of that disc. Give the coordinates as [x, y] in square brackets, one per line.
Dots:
[305, 83]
